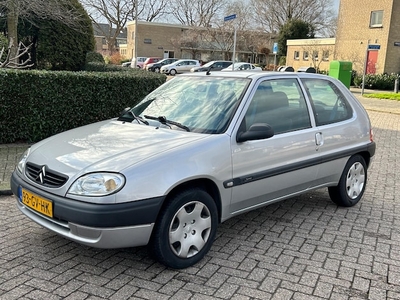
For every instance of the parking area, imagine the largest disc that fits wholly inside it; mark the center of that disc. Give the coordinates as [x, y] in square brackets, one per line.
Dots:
[303, 248]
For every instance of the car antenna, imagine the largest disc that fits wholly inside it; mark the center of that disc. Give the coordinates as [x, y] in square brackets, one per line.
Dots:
[208, 71]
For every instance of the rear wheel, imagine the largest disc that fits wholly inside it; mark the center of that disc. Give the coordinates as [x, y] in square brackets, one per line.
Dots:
[352, 183]
[157, 69]
[186, 229]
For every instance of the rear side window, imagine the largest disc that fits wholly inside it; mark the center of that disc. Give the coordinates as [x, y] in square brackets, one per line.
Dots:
[329, 104]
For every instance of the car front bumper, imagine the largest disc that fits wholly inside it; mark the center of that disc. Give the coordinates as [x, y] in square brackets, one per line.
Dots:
[96, 225]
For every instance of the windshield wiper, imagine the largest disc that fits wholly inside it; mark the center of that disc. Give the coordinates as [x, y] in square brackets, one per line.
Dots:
[138, 118]
[165, 121]
[124, 118]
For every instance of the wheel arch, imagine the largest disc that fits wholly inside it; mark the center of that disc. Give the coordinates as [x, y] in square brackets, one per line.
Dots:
[206, 184]
[366, 156]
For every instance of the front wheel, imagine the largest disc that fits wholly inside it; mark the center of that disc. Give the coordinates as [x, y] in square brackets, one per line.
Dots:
[352, 183]
[157, 69]
[172, 72]
[186, 229]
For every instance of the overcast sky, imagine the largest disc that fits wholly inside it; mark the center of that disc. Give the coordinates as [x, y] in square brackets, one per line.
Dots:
[336, 4]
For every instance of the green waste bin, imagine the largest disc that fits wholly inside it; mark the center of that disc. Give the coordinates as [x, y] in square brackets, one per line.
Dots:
[341, 70]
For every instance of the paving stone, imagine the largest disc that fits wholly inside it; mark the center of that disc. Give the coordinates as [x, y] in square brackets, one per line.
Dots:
[302, 248]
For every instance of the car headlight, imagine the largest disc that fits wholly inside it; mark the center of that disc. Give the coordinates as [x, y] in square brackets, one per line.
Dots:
[22, 162]
[97, 184]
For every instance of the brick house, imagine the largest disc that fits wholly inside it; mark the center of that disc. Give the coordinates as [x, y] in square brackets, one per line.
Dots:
[362, 25]
[167, 40]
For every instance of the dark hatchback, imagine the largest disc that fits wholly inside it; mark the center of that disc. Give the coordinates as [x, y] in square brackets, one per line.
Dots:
[157, 66]
[216, 65]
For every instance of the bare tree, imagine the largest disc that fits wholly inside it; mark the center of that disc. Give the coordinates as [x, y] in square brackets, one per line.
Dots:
[318, 52]
[197, 13]
[116, 14]
[31, 10]
[6, 61]
[273, 14]
[153, 10]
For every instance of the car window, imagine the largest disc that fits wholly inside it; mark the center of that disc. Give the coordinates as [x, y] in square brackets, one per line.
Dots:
[205, 105]
[279, 103]
[329, 104]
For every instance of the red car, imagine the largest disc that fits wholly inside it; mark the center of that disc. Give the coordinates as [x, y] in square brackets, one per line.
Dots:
[150, 60]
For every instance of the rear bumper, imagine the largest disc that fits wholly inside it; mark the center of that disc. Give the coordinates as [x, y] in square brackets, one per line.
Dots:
[102, 226]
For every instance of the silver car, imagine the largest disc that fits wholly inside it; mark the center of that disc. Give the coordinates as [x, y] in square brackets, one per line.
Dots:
[200, 149]
[179, 66]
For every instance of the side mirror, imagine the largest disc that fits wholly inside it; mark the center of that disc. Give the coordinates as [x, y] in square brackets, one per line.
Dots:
[258, 131]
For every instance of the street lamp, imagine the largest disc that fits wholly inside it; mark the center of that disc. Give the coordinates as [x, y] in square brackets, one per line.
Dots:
[136, 16]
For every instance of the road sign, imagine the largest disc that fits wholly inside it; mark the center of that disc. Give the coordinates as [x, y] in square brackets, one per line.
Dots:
[231, 17]
[374, 47]
[275, 48]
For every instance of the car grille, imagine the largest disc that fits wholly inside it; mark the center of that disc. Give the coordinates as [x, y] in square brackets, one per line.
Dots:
[45, 176]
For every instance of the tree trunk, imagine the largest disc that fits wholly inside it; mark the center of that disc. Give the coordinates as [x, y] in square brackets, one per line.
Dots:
[12, 27]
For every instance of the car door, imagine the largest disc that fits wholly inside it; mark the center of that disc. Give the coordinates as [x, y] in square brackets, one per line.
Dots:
[334, 120]
[269, 169]
[181, 66]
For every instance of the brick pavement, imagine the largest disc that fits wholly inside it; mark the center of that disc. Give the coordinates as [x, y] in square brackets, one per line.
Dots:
[9, 157]
[302, 248]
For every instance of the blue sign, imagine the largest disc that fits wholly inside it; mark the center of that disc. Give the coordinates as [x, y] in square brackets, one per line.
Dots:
[374, 47]
[275, 48]
[231, 17]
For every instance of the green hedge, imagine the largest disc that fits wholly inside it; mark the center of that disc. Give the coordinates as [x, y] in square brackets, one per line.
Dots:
[37, 104]
[376, 81]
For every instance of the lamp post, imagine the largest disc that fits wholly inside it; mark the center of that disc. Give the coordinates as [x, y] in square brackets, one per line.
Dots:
[136, 16]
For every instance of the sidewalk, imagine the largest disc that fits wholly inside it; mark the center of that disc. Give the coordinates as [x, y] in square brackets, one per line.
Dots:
[9, 157]
[11, 153]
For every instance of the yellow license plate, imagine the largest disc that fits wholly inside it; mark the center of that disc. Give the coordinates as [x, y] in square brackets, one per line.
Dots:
[37, 203]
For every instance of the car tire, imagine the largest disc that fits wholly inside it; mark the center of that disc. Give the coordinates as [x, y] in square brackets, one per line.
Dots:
[352, 183]
[172, 72]
[157, 69]
[186, 229]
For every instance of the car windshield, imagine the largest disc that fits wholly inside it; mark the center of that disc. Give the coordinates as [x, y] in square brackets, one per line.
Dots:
[202, 104]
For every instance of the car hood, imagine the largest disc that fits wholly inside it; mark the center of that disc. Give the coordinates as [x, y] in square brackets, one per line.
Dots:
[107, 146]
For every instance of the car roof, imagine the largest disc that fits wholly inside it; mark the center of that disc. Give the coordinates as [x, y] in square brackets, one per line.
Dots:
[256, 75]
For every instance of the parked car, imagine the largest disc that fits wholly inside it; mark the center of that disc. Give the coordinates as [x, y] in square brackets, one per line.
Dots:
[150, 60]
[139, 63]
[242, 66]
[155, 67]
[179, 66]
[198, 150]
[126, 64]
[215, 65]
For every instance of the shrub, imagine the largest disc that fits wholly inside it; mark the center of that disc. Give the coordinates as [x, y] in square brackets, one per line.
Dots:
[37, 104]
[116, 58]
[94, 57]
[376, 81]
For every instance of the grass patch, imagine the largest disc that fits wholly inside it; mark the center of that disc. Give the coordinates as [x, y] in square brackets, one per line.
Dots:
[390, 96]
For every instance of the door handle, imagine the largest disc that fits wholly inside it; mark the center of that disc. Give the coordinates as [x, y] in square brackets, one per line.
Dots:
[319, 139]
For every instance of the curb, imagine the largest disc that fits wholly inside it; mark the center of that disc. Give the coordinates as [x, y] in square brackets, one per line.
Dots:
[6, 193]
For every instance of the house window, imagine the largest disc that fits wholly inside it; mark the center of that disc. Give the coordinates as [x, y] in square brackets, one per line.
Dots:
[305, 55]
[376, 18]
[296, 55]
[325, 55]
[147, 41]
[315, 55]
